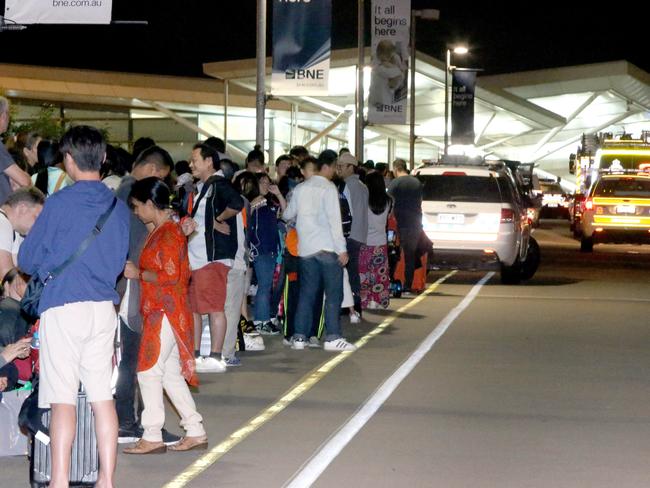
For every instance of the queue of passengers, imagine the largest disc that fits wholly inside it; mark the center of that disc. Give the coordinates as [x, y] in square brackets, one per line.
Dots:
[185, 240]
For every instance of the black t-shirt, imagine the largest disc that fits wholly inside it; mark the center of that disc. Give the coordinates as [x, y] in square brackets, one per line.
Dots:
[5, 161]
[407, 195]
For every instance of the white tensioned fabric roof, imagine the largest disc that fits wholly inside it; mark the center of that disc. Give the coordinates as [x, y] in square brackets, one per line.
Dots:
[534, 116]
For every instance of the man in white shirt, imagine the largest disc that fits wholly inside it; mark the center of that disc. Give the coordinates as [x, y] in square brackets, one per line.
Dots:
[17, 217]
[212, 249]
[322, 251]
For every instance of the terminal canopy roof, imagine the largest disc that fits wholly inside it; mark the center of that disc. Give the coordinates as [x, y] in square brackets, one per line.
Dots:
[535, 116]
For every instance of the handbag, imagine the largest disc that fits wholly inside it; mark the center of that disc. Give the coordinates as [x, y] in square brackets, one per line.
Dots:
[32, 297]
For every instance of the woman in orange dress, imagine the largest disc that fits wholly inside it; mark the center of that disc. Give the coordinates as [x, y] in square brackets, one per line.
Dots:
[166, 358]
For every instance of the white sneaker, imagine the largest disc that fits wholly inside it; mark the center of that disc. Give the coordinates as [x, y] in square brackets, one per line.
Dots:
[254, 342]
[339, 345]
[373, 305]
[314, 342]
[210, 365]
[286, 342]
[298, 344]
[355, 318]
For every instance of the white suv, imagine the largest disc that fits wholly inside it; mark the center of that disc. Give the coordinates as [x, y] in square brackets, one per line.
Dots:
[476, 218]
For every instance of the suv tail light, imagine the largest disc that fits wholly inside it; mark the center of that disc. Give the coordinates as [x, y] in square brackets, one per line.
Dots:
[589, 204]
[507, 216]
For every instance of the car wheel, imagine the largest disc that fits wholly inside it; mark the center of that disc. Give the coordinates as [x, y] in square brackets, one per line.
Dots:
[511, 275]
[587, 244]
[533, 258]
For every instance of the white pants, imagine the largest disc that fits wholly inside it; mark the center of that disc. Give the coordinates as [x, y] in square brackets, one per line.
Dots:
[167, 374]
[234, 297]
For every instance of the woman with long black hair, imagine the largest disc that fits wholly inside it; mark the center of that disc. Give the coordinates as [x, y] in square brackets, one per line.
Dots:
[166, 358]
[48, 177]
[373, 258]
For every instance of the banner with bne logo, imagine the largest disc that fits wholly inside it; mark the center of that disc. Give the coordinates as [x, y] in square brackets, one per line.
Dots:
[391, 27]
[462, 106]
[59, 11]
[302, 39]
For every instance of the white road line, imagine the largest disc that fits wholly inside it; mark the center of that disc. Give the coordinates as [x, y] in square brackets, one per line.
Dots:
[565, 298]
[321, 459]
[304, 385]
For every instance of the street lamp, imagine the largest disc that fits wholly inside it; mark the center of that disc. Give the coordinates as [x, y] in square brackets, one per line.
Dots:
[426, 14]
[448, 69]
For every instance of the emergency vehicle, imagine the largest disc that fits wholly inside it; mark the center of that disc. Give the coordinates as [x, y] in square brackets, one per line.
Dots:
[602, 152]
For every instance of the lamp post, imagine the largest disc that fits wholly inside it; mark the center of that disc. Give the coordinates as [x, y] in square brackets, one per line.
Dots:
[359, 121]
[426, 14]
[448, 69]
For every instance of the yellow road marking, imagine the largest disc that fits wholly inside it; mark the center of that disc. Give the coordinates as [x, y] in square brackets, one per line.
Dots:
[304, 385]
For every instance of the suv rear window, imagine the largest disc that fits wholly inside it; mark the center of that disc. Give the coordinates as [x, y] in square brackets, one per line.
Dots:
[622, 188]
[460, 188]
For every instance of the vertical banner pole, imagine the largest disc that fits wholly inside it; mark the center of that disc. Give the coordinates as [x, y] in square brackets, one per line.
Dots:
[412, 95]
[260, 104]
[447, 68]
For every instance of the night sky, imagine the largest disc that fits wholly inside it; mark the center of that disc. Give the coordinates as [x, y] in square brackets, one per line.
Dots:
[184, 34]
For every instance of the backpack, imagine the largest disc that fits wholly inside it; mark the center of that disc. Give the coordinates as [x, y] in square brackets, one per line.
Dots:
[346, 214]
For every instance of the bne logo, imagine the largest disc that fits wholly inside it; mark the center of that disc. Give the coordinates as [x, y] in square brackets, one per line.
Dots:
[305, 74]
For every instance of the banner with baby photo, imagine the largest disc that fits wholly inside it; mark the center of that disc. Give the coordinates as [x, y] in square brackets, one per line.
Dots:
[390, 27]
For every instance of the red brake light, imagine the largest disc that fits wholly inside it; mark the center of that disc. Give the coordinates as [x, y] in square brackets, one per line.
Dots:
[507, 215]
[454, 173]
[589, 204]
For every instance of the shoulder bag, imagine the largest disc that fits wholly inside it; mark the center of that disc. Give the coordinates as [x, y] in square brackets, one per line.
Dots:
[32, 296]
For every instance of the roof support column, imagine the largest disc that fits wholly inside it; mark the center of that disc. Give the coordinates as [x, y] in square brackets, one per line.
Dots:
[390, 156]
[294, 125]
[226, 103]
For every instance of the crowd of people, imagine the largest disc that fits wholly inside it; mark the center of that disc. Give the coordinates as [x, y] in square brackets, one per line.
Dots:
[153, 247]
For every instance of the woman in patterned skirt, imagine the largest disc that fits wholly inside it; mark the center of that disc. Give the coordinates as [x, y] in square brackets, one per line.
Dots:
[373, 259]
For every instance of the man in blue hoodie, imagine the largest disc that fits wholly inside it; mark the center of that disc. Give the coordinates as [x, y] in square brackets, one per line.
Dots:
[78, 319]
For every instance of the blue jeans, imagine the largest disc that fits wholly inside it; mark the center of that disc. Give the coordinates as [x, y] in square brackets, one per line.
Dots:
[320, 272]
[264, 266]
[125, 390]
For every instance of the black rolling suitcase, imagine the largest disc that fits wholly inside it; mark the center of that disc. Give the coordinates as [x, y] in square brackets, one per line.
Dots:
[84, 465]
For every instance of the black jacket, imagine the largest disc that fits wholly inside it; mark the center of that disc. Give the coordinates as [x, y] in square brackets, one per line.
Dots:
[219, 195]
